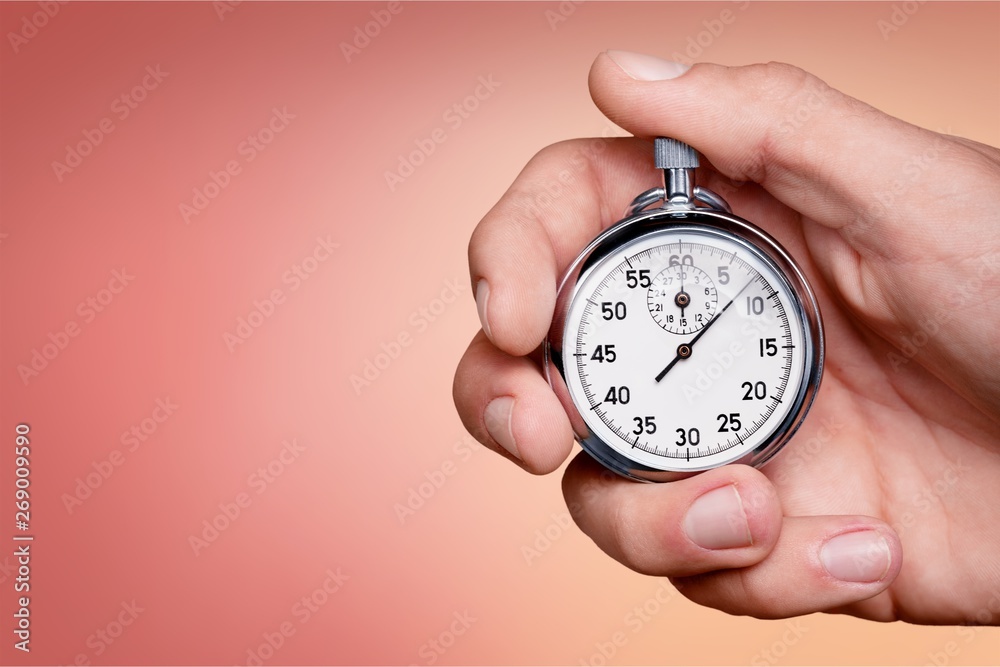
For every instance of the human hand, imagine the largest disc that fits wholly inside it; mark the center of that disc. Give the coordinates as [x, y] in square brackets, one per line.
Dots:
[896, 227]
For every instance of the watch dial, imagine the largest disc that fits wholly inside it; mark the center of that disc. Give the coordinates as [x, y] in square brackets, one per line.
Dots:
[684, 349]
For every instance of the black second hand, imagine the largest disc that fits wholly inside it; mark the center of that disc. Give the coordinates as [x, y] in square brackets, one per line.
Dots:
[701, 333]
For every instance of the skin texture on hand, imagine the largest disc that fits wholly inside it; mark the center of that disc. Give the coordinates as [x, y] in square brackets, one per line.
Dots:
[885, 504]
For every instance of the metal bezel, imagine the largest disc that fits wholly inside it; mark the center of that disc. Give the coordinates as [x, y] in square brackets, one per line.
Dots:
[704, 221]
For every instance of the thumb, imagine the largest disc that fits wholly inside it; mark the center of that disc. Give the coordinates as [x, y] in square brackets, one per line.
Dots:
[824, 154]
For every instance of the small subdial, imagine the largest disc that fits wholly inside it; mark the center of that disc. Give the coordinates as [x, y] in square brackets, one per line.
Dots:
[682, 299]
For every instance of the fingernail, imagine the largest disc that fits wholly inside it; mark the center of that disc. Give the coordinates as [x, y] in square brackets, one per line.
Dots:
[642, 67]
[482, 302]
[497, 418]
[716, 520]
[862, 556]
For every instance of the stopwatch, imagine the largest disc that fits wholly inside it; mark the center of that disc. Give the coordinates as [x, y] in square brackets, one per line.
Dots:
[684, 337]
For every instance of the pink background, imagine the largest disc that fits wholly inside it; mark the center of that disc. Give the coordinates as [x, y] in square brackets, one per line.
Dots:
[334, 504]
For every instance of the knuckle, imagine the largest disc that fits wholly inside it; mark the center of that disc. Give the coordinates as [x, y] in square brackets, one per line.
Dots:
[776, 81]
[555, 152]
[789, 90]
[575, 153]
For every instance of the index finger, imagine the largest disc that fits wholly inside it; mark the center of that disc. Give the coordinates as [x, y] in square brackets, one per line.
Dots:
[561, 199]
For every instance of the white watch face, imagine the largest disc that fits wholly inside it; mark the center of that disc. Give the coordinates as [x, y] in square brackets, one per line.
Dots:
[684, 349]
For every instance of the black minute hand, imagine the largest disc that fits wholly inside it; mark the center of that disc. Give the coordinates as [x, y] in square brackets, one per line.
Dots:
[684, 351]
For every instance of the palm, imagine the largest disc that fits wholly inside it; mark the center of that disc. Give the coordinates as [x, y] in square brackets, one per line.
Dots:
[886, 437]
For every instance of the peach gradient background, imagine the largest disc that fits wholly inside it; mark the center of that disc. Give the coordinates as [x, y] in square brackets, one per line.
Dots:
[162, 336]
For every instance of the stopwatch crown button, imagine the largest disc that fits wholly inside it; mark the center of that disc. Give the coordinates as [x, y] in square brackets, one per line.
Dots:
[673, 154]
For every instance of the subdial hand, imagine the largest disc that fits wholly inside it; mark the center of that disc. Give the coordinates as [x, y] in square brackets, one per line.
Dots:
[682, 299]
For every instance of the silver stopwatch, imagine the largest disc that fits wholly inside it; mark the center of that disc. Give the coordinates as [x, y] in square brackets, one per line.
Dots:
[684, 337]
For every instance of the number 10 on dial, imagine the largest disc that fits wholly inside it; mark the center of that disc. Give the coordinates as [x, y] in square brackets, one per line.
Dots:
[684, 338]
